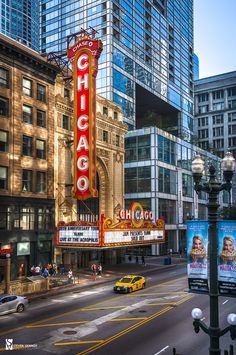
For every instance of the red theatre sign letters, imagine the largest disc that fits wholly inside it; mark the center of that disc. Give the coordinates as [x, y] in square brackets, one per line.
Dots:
[84, 55]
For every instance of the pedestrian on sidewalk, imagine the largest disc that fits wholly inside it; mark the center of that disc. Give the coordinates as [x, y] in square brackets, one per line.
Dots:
[130, 258]
[143, 260]
[70, 276]
[180, 252]
[45, 273]
[100, 270]
[32, 270]
[94, 271]
[136, 259]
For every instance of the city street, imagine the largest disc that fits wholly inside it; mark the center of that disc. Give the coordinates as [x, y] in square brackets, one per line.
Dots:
[95, 320]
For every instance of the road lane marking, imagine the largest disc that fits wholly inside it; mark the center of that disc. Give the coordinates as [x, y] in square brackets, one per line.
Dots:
[12, 330]
[79, 342]
[162, 350]
[161, 293]
[57, 336]
[100, 308]
[55, 324]
[131, 318]
[225, 301]
[118, 335]
[125, 331]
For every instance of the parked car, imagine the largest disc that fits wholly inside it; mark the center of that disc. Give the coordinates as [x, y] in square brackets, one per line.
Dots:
[130, 283]
[12, 303]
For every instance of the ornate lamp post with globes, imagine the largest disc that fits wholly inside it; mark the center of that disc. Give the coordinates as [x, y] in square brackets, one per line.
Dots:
[213, 188]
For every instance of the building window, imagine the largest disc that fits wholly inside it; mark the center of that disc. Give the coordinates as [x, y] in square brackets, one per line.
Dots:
[27, 148]
[218, 131]
[137, 148]
[232, 129]
[27, 176]
[105, 136]
[27, 114]
[115, 115]
[138, 179]
[232, 142]
[219, 94]
[41, 93]
[203, 121]
[203, 133]
[105, 110]
[27, 218]
[232, 91]
[166, 150]
[40, 149]
[3, 141]
[166, 181]
[3, 178]
[65, 122]
[232, 117]
[232, 103]
[41, 118]
[27, 87]
[4, 106]
[167, 210]
[187, 185]
[66, 93]
[218, 143]
[4, 77]
[218, 106]
[203, 97]
[41, 182]
[44, 219]
[204, 145]
[218, 119]
[203, 109]
[117, 140]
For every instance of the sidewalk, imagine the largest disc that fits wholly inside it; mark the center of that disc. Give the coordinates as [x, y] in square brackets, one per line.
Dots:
[84, 278]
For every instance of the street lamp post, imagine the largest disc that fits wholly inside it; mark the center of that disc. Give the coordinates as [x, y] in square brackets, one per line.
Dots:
[213, 188]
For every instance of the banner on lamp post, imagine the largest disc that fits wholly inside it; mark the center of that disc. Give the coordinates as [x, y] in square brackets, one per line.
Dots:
[227, 258]
[197, 255]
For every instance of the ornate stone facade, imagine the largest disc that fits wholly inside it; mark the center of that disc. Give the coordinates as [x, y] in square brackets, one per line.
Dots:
[109, 151]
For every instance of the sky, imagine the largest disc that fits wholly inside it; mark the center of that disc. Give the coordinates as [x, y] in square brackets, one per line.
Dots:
[215, 36]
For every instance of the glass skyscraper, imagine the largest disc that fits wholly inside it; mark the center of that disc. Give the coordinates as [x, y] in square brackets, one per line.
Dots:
[20, 21]
[147, 62]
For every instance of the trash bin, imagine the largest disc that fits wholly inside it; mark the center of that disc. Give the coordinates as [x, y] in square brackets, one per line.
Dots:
[167, 260]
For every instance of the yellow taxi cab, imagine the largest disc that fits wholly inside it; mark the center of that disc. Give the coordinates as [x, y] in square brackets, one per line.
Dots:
[130, 283]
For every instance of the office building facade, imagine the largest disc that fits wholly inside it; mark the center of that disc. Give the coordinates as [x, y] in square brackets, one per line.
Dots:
[215, 115]
[147, 62]
[158, 175]
[20, 21]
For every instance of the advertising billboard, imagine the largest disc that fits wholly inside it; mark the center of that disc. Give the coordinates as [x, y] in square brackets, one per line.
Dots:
[197, 255]
[227, 257]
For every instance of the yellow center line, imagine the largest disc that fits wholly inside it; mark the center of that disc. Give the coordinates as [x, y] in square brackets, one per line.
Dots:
[78, 342]
[163, 293]
[71, 312]
[55, 324]
[131, 328]
[123, 332]
[101, 308]
[120, 319]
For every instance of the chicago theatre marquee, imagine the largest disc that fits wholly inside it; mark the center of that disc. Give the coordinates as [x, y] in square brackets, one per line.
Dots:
[89, 173]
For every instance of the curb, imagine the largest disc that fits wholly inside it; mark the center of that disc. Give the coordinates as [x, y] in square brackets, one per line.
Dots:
[70, 288]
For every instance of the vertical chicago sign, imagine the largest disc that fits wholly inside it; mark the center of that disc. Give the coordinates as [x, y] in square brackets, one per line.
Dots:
[84, 55]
